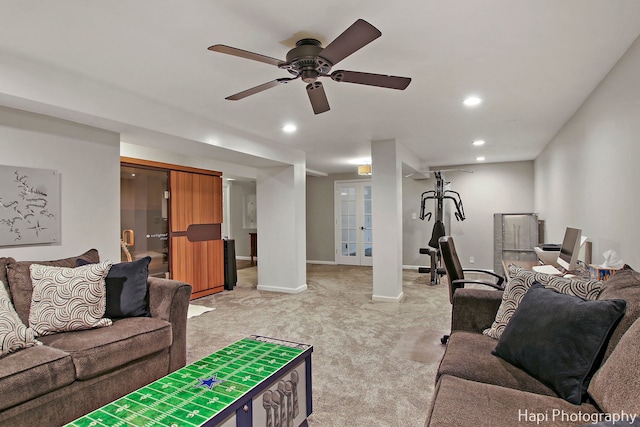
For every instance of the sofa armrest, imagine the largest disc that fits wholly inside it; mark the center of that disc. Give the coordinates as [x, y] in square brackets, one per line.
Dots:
[474, 309]
[169, 300]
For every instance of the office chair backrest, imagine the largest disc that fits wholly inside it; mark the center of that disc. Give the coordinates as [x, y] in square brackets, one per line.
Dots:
[451, 262]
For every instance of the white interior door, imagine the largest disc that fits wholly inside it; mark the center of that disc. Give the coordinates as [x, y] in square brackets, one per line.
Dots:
[354, 243]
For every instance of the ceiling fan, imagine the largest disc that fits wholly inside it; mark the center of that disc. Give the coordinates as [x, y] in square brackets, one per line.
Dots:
[310, 61]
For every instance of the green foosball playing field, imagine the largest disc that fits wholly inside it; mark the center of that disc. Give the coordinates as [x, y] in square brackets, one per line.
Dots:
[256, 381]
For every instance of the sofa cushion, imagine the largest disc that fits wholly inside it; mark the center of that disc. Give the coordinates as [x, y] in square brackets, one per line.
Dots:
[520, 282]
[468, 355]
[68, 299]
[19, 279]
[458, 402]
[558, 338]
[95, 351]
[14, 335]
[127, 289]
[33, 372]
[616, 385]
[625, 284]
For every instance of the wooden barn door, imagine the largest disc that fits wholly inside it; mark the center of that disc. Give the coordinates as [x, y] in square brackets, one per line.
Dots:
[197, 250]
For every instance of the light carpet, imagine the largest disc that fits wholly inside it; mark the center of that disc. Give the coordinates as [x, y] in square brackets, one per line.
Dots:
[373, 363]
[196, 310]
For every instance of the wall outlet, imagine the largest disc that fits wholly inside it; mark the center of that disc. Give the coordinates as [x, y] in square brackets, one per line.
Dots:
[472, 259]
[414, 215]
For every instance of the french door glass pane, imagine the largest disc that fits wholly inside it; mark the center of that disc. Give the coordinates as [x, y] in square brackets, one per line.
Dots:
[348, 225]
[368, 235]
[144, 217]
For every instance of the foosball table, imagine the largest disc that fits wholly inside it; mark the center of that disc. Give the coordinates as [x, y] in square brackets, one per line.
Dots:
[257, 381]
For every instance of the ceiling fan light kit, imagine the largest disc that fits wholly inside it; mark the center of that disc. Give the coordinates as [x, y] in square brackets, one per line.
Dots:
[309, 61]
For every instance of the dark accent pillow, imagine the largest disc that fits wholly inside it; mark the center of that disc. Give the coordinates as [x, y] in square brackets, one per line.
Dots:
[127, 289]
[558, 338]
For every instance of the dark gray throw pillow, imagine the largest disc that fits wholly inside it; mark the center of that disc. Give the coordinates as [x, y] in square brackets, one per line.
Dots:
[127, 289]
[558, 338]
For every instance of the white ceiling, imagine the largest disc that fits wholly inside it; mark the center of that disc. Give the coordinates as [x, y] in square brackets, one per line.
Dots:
[532, 61]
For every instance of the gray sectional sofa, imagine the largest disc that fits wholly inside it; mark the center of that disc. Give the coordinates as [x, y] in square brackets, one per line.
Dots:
[475, 386]
[73, 373]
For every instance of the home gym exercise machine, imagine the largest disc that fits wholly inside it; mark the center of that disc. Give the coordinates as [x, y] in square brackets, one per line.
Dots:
[433, 250]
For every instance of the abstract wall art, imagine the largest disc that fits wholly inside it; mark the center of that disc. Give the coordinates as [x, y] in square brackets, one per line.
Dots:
[29, 206]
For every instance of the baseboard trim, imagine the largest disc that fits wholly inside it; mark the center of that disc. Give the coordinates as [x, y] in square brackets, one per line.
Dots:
[378, 298]
[313, 261]
[280, 289]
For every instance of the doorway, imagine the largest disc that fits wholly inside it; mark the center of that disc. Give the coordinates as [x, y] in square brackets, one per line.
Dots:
[353, 230]
[144, 218]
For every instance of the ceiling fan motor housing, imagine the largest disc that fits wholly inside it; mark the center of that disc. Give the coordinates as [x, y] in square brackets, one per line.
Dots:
[303, 60]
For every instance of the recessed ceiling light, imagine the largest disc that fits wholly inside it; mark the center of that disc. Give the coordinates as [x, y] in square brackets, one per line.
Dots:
[472, 101]
[480, 159]
[289, 128]
[478, 142]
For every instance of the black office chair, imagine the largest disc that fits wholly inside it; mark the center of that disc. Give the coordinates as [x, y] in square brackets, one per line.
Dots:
[455, 272]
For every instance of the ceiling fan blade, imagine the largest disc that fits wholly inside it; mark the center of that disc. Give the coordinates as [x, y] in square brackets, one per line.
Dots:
[244, 54]
[259, 88]
[371, 79]
[358, 35]
[318, 97]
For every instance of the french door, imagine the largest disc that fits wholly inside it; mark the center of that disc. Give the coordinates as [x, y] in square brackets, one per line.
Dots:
[353, 233]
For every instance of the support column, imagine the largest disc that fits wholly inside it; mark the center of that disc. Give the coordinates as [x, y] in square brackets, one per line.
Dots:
[281, 212]
[386, 182]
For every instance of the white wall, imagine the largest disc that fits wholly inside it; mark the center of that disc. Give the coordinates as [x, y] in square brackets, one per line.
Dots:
[415, 232]
[386, 213]
[281, 229]
[321, 216]
[88, 160]
[491, 188]
[588, 176]
[238, 191]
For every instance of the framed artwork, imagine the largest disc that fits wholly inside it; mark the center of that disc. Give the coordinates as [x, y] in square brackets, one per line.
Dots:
[29, 206]
[250, 214]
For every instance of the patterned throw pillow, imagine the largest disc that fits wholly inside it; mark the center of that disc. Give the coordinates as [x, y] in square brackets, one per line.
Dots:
[520, 282]
[68, 299]
[14, 335]
[19, 278]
